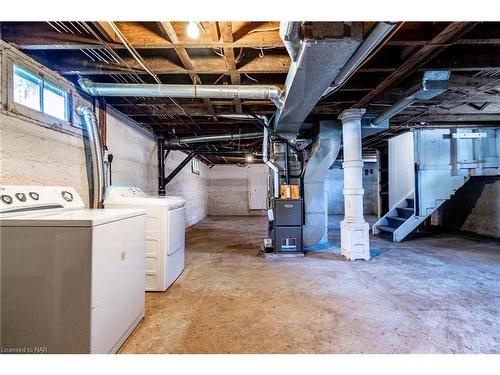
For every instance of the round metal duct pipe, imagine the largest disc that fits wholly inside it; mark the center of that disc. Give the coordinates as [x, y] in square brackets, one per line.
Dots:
[96, 152]
[257, 92]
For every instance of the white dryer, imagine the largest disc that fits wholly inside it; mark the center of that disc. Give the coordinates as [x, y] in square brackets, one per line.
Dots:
[165, 232]
[72, 279]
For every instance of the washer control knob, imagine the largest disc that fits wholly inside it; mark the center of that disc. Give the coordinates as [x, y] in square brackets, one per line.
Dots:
[34, 195]
[21, 197]
[6, 199]
[67, 196]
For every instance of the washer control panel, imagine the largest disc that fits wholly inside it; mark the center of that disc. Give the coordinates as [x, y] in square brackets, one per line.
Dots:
[20, 198]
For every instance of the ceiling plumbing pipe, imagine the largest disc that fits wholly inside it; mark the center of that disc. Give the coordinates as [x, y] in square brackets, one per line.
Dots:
[212, 138]
[258, 92]
[379, 32]
[96, 152]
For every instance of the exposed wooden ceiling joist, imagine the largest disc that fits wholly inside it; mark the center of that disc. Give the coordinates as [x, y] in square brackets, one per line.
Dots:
[448, 35]
[226, 31]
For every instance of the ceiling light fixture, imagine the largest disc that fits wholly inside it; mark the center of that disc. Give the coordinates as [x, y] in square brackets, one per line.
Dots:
[249, 158]
[193, 30]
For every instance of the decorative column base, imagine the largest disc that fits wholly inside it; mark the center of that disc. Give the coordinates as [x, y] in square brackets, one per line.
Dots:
[354, 240]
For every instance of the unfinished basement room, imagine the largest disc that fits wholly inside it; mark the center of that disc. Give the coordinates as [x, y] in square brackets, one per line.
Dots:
[249, 187]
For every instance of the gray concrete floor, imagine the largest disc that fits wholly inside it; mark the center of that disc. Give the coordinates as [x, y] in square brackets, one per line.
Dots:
[433, 294]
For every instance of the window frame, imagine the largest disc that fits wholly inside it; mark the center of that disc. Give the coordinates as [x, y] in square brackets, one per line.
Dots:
[43, 83]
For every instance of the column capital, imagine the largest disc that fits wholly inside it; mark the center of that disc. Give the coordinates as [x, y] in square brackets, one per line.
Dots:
[352, 114]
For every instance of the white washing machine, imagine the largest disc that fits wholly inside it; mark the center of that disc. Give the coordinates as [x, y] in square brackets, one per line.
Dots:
[165, 232]
[72, 279]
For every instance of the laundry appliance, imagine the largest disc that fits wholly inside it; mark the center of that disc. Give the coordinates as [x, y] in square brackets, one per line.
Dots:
[72, 279]
[165, 232]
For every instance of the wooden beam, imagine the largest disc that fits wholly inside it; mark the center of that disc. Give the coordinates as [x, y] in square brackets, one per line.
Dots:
[139, 34]
[76, 64]
[448, 35]
[226, 31]
[106, 31]
[169, 30]
[214, 31]
[488, 117]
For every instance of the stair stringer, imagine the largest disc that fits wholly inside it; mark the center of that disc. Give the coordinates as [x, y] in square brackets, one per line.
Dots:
[414, 221]
[391, 213]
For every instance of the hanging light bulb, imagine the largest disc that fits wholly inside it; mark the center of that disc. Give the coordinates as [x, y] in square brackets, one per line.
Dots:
[249, 158]
[193, 30]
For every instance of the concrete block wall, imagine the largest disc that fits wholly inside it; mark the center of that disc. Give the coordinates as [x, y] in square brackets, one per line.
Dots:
[34, 155]
[334, 185]
[134, 152]
[229, 189]
[135, 162]
[191, 186]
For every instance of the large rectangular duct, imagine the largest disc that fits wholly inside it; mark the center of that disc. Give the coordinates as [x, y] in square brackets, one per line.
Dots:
[318, 61]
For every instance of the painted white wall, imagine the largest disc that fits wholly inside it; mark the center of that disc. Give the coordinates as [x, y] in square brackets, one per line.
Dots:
[135, 163]
[134, 152]
[38, 155]
[401, 167]
[33, 155]
[229, 189]
[188, 185]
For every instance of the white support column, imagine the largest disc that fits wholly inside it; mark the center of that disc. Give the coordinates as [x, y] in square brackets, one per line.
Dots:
[354, 238]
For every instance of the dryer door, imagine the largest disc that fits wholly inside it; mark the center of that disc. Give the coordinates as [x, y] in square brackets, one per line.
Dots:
[176, 230]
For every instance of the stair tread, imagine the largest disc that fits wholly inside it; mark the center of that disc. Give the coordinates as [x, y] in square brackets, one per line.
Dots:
[397, 218]
[406, 208]
[386, 228]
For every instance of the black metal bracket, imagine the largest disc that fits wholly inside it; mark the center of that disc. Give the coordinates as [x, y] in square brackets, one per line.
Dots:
[182, 164]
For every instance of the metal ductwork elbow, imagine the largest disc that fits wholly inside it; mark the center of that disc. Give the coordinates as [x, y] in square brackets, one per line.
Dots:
[96, 152]
[88, 86]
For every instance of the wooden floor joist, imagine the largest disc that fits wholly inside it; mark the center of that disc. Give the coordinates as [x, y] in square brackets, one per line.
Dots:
[444, 38]
[226, 31]
[168, 29]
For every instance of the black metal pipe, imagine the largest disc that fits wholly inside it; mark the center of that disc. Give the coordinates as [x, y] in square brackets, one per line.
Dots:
[287, 167]
[179, 168]
[161, 166]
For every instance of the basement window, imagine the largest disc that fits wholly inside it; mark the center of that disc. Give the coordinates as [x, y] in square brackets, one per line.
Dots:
[33, 92]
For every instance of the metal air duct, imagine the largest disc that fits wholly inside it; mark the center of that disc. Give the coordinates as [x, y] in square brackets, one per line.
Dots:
[319, 61]
[258, 92]
[211, 138]
[96, 152]
[434, 83]
[323, 155]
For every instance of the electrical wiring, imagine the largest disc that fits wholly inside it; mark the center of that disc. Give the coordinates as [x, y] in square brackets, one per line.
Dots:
[251, 78]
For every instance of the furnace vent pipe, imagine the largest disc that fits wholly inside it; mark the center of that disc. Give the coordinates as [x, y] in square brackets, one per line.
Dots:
[265, 144]
[273, 167]
[96, 152]
[258, 92]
